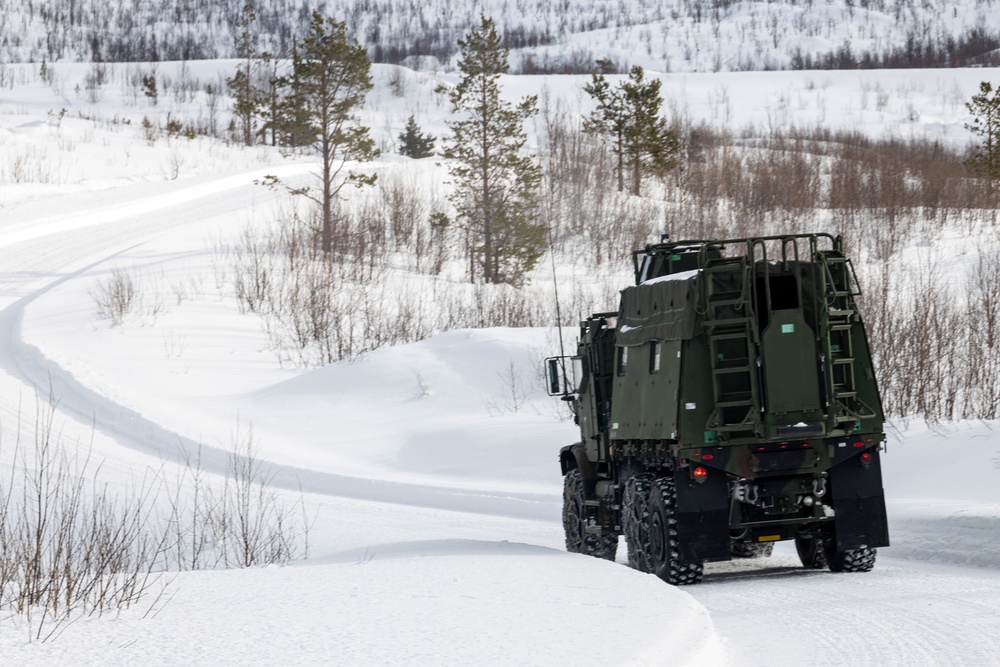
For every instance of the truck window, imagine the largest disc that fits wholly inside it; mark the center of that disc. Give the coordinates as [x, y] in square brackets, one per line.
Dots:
[654, 356]
[622, 360]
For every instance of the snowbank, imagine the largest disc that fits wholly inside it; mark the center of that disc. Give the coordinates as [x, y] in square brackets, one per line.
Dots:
[448, 602]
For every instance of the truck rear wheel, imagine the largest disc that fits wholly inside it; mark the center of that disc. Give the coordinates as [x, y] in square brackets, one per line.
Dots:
[635, 520]
[574, 516]
[852, 560]
[811, 552]
[664, 545]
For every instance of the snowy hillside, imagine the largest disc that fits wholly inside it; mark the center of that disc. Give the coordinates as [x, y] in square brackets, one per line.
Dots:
[423, 475]
[667, 36]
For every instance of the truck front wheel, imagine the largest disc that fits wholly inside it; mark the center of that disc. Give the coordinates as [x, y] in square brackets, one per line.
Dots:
[574, 517]
[635, 520]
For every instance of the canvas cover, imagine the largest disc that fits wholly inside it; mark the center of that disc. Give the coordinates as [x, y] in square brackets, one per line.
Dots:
[659, 309]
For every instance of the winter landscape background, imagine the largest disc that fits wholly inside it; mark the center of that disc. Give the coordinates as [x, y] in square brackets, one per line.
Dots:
[414, 492]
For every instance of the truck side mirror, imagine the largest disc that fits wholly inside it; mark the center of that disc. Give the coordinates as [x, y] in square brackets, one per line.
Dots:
[552, 372]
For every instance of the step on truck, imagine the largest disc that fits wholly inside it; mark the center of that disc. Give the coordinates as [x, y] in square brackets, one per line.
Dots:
[728, 404]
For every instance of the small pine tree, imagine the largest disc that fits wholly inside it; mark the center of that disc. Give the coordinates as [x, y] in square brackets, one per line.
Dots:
[496, 187]
[149, 88]
[414, 143]
[653, 147]
[330, 79]
[270, 99]
[610, 119]
[985, 110]
[629, 115]
[247, 100]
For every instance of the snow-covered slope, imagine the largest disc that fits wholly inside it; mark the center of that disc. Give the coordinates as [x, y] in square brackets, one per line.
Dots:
[664, 35]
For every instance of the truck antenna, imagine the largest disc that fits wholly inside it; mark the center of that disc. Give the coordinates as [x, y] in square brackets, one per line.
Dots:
[555, 289]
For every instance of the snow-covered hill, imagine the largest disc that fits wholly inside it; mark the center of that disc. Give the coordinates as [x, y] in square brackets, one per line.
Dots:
[560, 37]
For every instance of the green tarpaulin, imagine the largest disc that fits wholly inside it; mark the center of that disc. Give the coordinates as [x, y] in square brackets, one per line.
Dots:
[659, 309]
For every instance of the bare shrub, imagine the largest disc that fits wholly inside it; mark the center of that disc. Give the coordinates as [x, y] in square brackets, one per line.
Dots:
[116, 296]
[123, 295]
[514, 391]
[70, 546]
[982, 388]
[94, 81]
[251, 524]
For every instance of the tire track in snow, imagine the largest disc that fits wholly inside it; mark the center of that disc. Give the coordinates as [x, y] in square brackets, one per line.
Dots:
[900, 613]
[40, 254]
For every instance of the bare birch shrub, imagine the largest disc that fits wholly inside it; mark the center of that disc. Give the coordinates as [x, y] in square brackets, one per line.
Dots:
[116, 297]
[252, 526]
[70, 547]
[982, 387]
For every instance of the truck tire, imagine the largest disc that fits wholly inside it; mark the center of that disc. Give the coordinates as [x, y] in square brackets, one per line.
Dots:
[664, 545]
[851, 560]
[635, 519]
[811, 552]
[574, 517]
[751, 550]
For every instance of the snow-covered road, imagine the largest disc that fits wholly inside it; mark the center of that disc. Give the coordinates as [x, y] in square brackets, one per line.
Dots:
[771, 611]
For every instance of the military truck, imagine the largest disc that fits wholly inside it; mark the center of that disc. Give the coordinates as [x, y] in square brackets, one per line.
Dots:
[728, 404]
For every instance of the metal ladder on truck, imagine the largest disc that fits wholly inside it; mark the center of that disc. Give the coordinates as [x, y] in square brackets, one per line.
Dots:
[838, 315]
[732, 337]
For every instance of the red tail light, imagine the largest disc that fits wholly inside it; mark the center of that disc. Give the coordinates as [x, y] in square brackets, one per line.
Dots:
[700, 474]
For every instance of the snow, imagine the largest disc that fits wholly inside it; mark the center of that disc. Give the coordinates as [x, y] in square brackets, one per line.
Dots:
[436, 602]
[430, 470]
[681, 276]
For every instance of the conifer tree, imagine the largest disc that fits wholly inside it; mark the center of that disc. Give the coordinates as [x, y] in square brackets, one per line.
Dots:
[247, 99]
[270, 98]
[329, 80]
[985, 110]
[414, 143]
[496, 187]
[642, 141]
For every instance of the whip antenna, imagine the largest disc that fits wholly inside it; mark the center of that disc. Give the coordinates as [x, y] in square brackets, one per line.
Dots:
[555, 289]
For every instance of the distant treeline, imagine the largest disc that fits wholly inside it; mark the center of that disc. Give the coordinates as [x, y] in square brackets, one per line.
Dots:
[976, 49]
[564, 37]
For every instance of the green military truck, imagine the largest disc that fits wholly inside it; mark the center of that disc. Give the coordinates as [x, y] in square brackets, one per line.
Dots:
[728, 404]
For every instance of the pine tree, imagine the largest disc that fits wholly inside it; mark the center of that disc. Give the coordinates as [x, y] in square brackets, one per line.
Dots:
[985, 110]
[611, 119]
[653, 146]
[330, 78]
[414, 143]
[247, 99]
[270, 99]
[642, 140]
[496, 187]
[149, 88]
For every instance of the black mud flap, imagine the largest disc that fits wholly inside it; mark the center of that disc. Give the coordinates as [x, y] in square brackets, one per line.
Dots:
[702, 516]
[859, 504]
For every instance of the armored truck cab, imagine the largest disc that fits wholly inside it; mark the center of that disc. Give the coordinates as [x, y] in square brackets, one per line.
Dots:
[728, 404]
